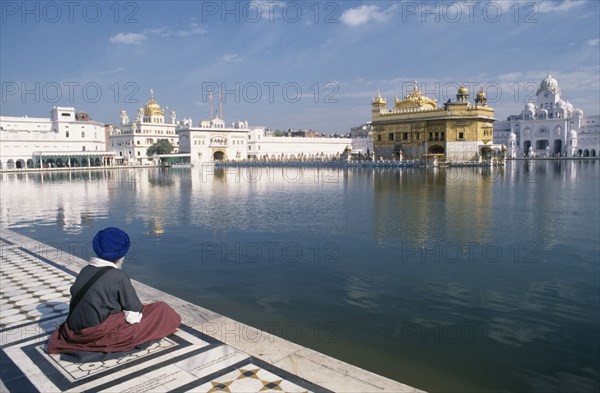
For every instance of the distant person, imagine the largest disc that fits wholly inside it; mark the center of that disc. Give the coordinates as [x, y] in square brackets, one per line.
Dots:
[105, 314]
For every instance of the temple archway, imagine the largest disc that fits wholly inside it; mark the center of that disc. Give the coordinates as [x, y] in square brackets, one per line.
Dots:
[436, 149]
[557, 146]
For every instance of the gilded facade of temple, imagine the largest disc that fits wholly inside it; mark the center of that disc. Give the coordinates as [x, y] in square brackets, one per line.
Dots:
[416, 126]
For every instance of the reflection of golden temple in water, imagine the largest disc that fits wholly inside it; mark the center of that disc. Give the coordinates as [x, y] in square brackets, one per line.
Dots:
[417, 205]
[405, 205]
[157, 227]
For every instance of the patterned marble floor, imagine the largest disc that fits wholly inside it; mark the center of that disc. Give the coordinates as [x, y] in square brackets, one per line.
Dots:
[34, 298]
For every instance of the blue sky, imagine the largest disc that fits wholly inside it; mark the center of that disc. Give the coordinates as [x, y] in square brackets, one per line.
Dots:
[286, 64]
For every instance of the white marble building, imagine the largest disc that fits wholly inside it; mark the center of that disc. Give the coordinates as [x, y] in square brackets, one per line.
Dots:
[362, 140]
[130, 140]
[263, 147]
[211, 140]
[549, 127]
[67, 138]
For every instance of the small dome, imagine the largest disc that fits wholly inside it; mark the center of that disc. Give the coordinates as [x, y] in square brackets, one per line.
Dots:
[549, 83]
[561, 104]
[530, 107]
[481, 94]
[462, 90]
[578, 112]
[152, 107]
[512, 136]
[572, 134]
[217, 123]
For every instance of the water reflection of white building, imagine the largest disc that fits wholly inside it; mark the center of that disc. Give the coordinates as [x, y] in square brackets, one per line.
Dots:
[67, 138]
[68, 200]
[549, 127]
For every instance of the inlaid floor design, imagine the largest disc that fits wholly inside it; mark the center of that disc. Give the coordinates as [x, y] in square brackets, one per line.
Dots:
[34, 297]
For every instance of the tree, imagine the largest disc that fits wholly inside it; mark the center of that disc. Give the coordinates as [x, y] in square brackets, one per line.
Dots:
[162, 146]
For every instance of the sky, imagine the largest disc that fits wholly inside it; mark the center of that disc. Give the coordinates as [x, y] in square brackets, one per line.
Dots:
[291, 64]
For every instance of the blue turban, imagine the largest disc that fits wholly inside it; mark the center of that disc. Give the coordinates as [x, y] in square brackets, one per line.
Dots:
[111, 244]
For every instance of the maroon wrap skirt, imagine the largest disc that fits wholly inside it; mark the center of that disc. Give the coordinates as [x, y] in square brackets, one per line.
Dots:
[115, 334]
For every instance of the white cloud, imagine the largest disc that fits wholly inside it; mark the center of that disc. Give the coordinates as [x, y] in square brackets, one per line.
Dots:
[163, 31]
[556, 6]
[366, 13]
[194, 29]
[127, 38]
[593, 42]
[233, 58]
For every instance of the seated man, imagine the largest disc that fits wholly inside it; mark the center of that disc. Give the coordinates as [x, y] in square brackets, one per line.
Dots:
[105, 315]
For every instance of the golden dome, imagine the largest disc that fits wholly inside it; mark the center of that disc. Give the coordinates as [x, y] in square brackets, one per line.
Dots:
[463, 91]
[481, 94]
[416, 99]
[379, 99]
[152, 107]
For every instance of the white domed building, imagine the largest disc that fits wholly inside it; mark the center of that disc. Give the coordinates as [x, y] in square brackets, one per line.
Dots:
[130, 140]
[550, 127]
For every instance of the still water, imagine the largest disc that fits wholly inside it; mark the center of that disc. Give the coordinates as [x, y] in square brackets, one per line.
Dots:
[463, 279]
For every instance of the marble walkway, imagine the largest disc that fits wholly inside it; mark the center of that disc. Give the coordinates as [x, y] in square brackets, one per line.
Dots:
[208, 353]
